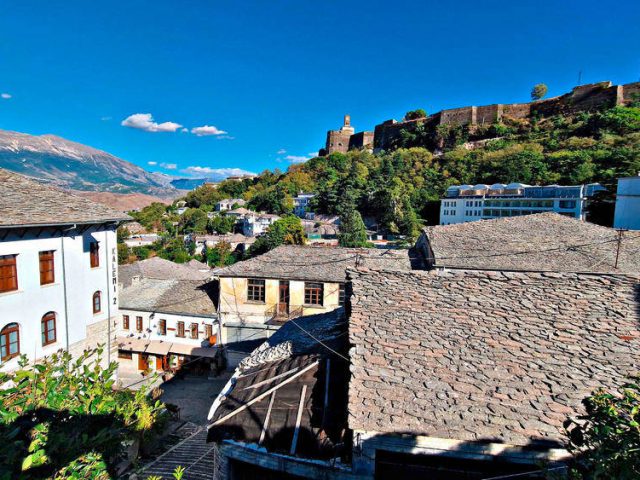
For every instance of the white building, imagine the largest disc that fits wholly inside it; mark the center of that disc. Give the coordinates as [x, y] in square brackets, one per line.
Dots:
[628, 204]
[467, 203]
[228, 203]
[141, 240]
[254, 225]
[58, 271]
[301, 204]
[167, 314]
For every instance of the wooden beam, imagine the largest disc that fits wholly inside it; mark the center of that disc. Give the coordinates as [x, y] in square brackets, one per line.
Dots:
[263, 395]
[266, 419]
[294, 442]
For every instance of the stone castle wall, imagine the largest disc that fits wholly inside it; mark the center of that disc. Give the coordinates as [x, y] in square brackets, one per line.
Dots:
[582, 98]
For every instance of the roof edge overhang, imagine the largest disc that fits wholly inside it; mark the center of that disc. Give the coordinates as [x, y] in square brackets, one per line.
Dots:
[66, 224]
[166, 312]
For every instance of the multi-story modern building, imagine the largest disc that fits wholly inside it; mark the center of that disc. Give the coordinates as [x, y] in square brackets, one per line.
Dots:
[467, 203]
[628, 204]
[58, 271]
[254, 225]
[301, 204]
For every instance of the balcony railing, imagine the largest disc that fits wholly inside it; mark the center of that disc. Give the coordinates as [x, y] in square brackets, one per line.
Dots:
[282, 313]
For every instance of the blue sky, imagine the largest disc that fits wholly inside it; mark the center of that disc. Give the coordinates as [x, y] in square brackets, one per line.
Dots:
[276, 74]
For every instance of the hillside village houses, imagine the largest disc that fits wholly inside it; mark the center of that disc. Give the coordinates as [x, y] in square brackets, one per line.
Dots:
[167, 315]
[469, 367]
[58, 271]
[301, 203]
[229, 204]
[257, 224]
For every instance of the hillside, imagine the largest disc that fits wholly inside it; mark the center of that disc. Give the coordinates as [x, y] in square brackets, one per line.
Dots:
[394, 188]
[71, 165]
[124, 202]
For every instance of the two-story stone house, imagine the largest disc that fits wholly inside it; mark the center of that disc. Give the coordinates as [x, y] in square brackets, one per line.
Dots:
[257, 296]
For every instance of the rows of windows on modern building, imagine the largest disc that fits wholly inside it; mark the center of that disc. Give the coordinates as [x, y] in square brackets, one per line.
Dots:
[466, 203]
[10, 333]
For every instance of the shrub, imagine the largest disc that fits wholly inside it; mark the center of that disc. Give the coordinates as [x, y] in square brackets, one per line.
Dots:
[62, 418]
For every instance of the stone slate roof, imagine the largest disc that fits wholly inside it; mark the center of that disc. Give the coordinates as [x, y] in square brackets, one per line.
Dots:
[294, 338]
[170, 296]
[540, 242]
[27, 202]
[479, 355]
[159, 268]
[316, 263]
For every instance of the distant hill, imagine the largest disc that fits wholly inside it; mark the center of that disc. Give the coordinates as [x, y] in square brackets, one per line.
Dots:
[124, 202]
[74, 166]
[188, 183]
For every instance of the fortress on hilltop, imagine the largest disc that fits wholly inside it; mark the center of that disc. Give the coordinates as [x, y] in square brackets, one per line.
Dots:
[593, 96]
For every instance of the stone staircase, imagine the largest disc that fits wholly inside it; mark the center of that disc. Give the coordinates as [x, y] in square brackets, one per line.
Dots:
[191, 452]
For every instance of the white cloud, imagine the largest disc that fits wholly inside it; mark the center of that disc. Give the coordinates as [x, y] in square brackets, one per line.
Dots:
[105, 119]
[5, 96]
[282, 151]
[185, 130]
[144, 121]
[207, 130]
[215, 172]
[298, 158]
[152, 163]
[313, 154]
[169, 166]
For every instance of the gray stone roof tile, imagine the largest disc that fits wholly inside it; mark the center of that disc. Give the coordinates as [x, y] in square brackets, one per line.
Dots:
[327, 264]
[540, 242]
[27, 202]
[169, 296]
[472, 355]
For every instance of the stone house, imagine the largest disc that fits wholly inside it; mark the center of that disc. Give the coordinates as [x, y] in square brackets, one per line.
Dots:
[58, 271]
[467, 369]
[167, 315]
[228, 204]
[257, 296]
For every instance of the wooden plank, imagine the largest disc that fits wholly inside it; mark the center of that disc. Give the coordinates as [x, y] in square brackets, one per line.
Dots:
[294, 442]
[263, 395]
[266, 419]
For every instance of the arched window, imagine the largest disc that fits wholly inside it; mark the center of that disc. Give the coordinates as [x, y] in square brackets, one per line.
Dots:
[97, 303]
[48, 328]
[9, 342]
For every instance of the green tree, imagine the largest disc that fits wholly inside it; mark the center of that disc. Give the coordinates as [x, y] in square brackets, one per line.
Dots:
[194, 220]
[415, 114]
[352, 230]
[288, 231]
[63, 418]
[409, 223]
[151, 216]
[220, 255]
[174, 250]
[221, 224]
[123, 253]
[606, 441]
[538, 91]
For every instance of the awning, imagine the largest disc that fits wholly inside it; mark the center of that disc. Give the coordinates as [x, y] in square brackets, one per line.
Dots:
[158, 347]
[132, 344]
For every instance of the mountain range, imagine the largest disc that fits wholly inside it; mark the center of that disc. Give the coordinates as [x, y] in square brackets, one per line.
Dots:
[74, 166]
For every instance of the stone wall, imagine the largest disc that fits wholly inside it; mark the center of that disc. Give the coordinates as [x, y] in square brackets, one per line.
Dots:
[582, 98]
[361, 140]
[98, 334]
[337, 141]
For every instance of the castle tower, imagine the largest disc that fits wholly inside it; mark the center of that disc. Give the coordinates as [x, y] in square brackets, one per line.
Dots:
[338, 140]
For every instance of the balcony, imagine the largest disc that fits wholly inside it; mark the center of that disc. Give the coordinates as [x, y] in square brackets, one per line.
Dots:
[280, 313]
